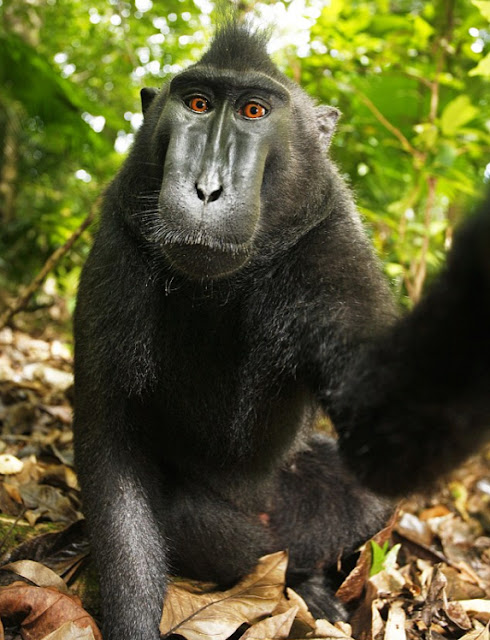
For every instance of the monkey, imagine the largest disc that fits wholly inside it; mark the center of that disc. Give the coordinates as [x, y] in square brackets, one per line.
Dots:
[232, 295]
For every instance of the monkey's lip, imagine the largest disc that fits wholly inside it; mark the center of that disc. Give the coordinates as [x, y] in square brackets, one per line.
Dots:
[201, 238]
[199, 260]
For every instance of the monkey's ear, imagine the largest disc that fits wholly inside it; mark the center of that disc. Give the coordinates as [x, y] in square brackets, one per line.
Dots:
[147, 94]
[327, 121]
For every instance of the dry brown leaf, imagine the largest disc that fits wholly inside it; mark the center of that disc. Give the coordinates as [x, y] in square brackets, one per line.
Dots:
[414, 529]
[219, 614]
[395, 625]
[366, 621]
[274, 627]
[325, 629]
[353, 585]
[70, 631]
[43, 610]
[304, 621]
[434, 512]
[477, 634]
[460, 585]
[388, 581]
[44, 501]
[59, 475]
[13, 492]
[480, 607]
[457, 615]
[436, 598]
[36, 572]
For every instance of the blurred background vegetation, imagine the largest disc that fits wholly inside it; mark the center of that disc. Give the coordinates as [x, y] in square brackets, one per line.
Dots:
[411, 78]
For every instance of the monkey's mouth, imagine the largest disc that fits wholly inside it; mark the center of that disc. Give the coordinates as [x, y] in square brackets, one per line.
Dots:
[201, 261]
[202, 254]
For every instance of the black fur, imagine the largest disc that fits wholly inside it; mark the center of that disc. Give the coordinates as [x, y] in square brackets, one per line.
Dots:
[205, 347]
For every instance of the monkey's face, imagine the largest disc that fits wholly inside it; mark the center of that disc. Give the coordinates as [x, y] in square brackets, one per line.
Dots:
[222, 131]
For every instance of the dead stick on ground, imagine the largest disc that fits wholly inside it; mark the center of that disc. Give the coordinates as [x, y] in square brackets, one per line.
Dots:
[50, 263]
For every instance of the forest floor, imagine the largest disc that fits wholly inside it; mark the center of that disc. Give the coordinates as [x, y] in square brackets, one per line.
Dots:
[426, 576]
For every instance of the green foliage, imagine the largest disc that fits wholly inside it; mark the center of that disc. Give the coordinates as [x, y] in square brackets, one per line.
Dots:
[411, 78]
[415, 133]
[383, 558]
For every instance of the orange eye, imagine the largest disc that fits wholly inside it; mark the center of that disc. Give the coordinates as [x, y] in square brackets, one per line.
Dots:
[198, 104]
[253, 110]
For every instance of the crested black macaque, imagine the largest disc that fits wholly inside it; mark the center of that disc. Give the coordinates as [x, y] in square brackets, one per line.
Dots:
[230, 295]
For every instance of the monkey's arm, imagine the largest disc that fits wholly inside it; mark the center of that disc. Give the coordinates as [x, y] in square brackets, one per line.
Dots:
[120, 490]
[416, 402]
[121, 485]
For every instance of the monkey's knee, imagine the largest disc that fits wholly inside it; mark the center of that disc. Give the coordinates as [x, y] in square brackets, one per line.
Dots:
[320, 511]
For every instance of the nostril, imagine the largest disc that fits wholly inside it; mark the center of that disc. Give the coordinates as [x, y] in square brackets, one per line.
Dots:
[215, 195]
[212, 197]
[200, 194]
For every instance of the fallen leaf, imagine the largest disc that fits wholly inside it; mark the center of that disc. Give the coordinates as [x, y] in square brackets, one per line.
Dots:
[388, 581]
[461, 586]
[36, 572]
[479, 606]
[44, 501]
[274, 627]
[353, 585]
[70, 631]
[436, 597]
[457, 615]
[219, 614]
[59, 550]
[42, 610]
[395, 625]
[414, 529]
[325, 629]
[434, 512]
[304, 623]
[477, 634]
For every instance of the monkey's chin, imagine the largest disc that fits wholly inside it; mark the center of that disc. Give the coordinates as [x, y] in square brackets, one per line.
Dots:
[201, 262]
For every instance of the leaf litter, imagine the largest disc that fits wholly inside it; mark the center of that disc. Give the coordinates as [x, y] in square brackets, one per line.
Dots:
[434, 586]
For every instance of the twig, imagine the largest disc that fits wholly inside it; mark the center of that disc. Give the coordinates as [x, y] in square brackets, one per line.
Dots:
[387, 124]
[419, 269]
[50, 263]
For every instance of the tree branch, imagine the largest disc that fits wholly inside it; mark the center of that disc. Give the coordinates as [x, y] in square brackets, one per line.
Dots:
[51, 262]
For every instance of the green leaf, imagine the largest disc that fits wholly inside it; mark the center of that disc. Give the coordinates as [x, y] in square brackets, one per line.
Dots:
[484, 7]
[378, 557]
[394, 270]
[456, 114]
[446, 155]
[483, 67]
[391, 557]
[423, 31]
[383, 557]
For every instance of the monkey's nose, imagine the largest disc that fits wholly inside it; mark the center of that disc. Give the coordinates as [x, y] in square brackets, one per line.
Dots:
[208, 195]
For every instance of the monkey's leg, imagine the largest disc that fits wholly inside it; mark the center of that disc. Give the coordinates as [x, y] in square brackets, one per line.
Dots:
[321, 513]
[210, 538]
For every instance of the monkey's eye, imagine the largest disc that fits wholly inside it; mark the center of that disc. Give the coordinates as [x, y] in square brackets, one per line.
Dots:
[198, 104]
[253, 110]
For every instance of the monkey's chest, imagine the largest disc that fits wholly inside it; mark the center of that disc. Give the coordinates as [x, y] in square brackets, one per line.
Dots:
[216, 409]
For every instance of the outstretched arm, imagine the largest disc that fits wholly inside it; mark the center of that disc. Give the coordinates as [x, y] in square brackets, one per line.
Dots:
[416, 402]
